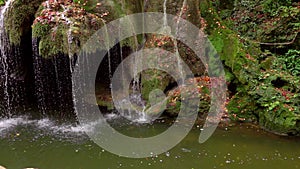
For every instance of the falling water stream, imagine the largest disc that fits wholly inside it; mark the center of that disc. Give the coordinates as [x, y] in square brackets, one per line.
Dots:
[175, 41]
[166, 29]
[134, 113]
[107, 46]
[4, 45]
[165, 20]
[139, 115]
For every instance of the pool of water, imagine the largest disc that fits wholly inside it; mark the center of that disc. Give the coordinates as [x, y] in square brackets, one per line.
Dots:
[45, 145]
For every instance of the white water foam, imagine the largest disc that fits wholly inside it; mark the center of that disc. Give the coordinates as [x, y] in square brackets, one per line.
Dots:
[47, 125]
[10, 123]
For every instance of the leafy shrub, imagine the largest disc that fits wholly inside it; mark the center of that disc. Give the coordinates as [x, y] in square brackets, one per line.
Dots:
[272, 6]
[291, 62]
[264, 21]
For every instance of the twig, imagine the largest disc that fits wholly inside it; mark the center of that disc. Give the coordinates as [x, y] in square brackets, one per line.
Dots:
[277, 44]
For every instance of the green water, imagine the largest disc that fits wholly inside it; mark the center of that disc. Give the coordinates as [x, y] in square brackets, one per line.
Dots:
[240, 146]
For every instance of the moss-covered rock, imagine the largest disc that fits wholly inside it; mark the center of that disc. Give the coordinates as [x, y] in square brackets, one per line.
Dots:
[154, 79]
[264, 91]
[267, 63]
[19, 18]
[203, 92]
[243, 107]
[63, 26]
[265, 21]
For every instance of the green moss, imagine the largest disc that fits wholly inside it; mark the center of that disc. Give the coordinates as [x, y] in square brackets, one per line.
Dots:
[19, 18]
[51, 42]
[40, 30]
[88, 5]
[229, 77]
[264, 21]
[56, 36]
[204, 7]
[2, 2]
[227, 46]
[108, 104]
[243, 106]
[118, 9]
[233, 54]
[277, 96]
[267, 63]
[55, 40]
[268, 96]
[153, 79]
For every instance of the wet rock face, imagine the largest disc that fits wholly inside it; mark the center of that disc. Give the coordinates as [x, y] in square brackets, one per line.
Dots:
[64, 26]
[53, 84]
[203, 92]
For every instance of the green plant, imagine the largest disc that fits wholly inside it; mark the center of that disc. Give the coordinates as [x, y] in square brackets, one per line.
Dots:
[2, 2]
[57, 23]
[291, 62]
[18, 19]
[273, 6]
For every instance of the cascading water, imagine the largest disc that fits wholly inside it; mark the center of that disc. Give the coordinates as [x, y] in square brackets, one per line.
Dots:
[175, 41]
[165, 25]
[16, 69]
[166, 29]
[40, 85]
[4, 43]
[135, 97]
[136, 79]
[139, 115]
[136, 114]
[107, 45]
[50, 76]
[5, 48]
[53, 84]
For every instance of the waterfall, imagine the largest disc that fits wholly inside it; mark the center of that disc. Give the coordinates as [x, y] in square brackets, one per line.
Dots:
[136, 114]
[38, 67]
[107, 45]
[136, 80]
[167, 30]
[121, 56]
[4, 47]
[165, 21]
[175, 41]
[53, 84]
[15, 69]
